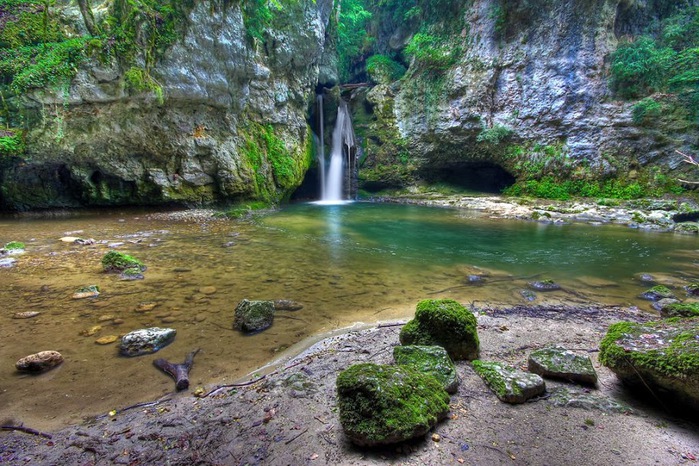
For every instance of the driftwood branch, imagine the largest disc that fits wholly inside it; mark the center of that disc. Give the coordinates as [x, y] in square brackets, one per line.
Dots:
[26, 430]
[179, 372]
[692, 161]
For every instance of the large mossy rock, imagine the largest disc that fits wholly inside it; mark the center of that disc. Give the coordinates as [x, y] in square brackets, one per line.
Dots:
[445, 323]
[560, 363]
[680, 310]
[509, 384]
[662, 357]
[253, 316]
[432, 360]
[381, 405]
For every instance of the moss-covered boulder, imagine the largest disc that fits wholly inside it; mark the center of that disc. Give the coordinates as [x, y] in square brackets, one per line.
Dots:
[118, 262]
[680, 310]
[432, 360]
[560, 363]
[509, 384]
[661, 357]
[381, 405]
[253, 316]
[445, 323]
[657, 293]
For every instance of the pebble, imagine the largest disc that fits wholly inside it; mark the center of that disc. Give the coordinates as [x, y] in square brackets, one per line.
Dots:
[436, 438]
[105, 340]
[39, 362]
[145, 307]
[200, 317]
[91, 331]
[25, 315]
[169, 320]
[105, 318]
[207, 290]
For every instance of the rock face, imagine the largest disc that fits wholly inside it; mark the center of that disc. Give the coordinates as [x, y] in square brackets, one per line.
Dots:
[560, 363]
[230, 106]
[432, 360]
[381, 405]
[146, 341]
[528, 87]
[661, 356]
[445, 323]
[40, 362]
[510, 384]
[253, 316]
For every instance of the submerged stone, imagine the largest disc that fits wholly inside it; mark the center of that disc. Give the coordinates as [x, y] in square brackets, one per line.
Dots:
[432, 360]
[381, 405]
[445, 323]
[39, 362]
[287, 305]
[146, 341]
[253, 316]
[544, 285]
[91, 291]
[660, 304]
[510, 384]
[661, 357]
[560, 363]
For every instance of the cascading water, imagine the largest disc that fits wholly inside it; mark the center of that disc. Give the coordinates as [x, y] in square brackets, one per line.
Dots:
[321, 146]
[332, 182]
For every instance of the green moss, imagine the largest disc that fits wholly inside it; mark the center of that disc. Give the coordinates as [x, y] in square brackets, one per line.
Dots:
[432, 360]
[446, 323]
[384, 404]
[495, 135]
[677, 356]
[681, 310]
[115, 261]
[138, 80]
[244, 210]
[489, 373]
[383, 69]
[14, 245]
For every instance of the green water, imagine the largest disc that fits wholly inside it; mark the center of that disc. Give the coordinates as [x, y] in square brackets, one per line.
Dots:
[346, 264]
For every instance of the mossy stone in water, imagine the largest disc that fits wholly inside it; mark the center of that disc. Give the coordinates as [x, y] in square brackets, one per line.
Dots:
[661, 356]
[381, 405]
[432, 360]
[445, 323]
[680, 310]
[253, 316]
[657, 293]
[14, 246]
[117, 262]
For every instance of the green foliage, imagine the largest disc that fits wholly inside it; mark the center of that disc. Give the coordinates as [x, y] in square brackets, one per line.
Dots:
[681, 310]
[353, 41]
[551, 188]
[499, 15]
[383, 69]
[495, 135]
[244, 210]
[138, 80]
[646, 110]
[668, 63]
[433, 53]
[11, 143]
[27, 23]
[258, 16]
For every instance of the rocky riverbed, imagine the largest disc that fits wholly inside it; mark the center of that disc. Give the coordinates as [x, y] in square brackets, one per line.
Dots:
[289, 416]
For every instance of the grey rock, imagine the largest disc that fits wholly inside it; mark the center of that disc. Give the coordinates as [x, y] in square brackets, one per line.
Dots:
[656, 357]
[544, 285]
[253, 316]
[567, 397]
[560, 363]
[146, 341]
[509, 384]
[287, 305]
[432, 360]
[39, 362]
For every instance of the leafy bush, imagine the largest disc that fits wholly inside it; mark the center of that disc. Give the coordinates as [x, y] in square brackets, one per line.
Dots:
[383, 69]
[11, 143]
[353, 41]
[431, 52]
[551, 188]
[646, 110]
[495, 135]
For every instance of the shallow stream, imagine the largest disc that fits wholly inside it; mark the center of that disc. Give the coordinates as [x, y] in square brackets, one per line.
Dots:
[346, 264]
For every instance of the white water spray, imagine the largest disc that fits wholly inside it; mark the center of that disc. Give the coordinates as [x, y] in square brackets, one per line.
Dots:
[343, 138]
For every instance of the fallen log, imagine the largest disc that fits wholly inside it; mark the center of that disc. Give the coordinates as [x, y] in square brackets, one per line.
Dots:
[179, 372]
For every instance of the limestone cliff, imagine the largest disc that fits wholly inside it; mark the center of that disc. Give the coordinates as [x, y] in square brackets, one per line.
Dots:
[524, 91]
[231, 123]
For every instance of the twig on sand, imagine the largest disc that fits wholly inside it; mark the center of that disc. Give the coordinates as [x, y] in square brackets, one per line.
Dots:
[296, 436]
[26, 430]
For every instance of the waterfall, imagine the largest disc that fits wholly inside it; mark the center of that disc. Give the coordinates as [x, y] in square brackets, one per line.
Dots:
[343, 142]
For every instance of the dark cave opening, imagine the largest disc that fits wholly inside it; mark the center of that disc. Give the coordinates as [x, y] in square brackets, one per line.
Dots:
[482, 177]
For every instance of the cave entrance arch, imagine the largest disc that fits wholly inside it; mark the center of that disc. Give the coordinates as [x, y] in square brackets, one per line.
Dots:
[484, 177]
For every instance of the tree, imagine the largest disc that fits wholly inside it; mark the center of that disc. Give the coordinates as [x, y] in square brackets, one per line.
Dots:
[88, 18]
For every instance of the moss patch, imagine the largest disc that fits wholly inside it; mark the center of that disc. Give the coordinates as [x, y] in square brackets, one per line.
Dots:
[388, 404]
[680, 310]
[117, 262]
